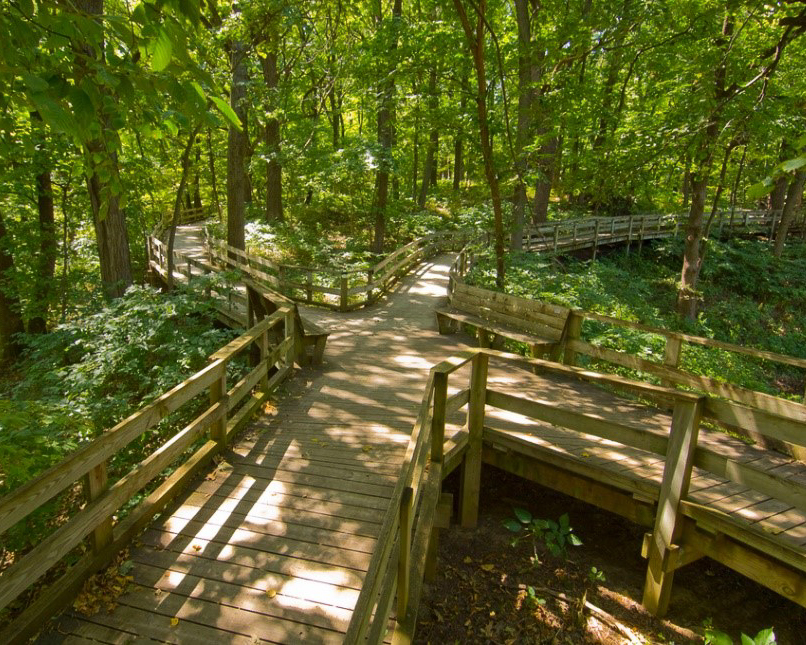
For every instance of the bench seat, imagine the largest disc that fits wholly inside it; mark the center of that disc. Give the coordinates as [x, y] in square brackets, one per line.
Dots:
[487, 330]
[315, 338]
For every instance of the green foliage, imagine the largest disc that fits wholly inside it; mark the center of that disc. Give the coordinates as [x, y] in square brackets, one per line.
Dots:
[750, 298]
[556, 536]
[92, 372]
[716, 637]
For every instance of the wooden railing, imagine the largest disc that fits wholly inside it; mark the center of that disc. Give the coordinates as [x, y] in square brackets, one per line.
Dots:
[568, 327]
[230, 302]
[593, 232]
[228, 408]
[330, 287]
[399, 560]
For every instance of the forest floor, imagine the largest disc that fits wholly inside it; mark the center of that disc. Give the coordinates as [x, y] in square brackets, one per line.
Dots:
[480, 594]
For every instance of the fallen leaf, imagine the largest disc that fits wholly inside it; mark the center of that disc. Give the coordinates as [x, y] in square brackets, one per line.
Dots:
[467, 560]
[174, 621]
[197, 548]
[487, 567]
[585, 454]
[271, 593]
[366, 448]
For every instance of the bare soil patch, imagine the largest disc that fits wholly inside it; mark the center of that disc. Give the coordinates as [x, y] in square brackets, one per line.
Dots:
[480, 594]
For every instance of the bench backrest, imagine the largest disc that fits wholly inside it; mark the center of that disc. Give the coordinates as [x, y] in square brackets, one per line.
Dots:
[530, 316]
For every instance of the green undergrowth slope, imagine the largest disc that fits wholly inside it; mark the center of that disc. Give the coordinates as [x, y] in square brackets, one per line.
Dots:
[748, 297]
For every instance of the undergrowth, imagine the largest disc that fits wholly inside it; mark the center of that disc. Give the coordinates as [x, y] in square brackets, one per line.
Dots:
[90, 373]
[748, 298]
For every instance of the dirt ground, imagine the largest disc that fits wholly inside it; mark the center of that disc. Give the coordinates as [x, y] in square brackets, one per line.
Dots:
[481, 592]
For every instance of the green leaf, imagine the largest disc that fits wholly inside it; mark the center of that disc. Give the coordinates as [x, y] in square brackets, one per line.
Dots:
[746, 640]
[764, 637]
[523, 515]
[564, 521]
[35, 83]
[163, 48]
[716, 637]
[54, 114]
[793, 164]
[573, 539]
[199, 91]
[227, 111]
[513, 526]
[759, 190]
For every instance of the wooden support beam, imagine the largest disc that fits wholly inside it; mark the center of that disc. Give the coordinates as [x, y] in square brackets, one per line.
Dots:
[97, 483]
[669, 521]
[404, 555]
[671, 356]
[438, 416]
[571, 332]
[471, 465]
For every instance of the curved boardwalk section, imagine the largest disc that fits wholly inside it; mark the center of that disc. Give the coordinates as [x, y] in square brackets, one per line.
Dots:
[274, 544]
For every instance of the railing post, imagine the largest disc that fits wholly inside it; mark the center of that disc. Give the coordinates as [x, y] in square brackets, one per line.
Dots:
[671, 356]
[343, 292]
[595, 238]
[290, 331]
[744, 220]
[629, 234]
[263, 346]
[668, 521]
[574, 240]
[438, 416]
[404, 556]
[97, 482]
[218, 392]
[370, 276]
[556, 235]
[471, 464]
[572, 331]
[309, 286]
[641, 234]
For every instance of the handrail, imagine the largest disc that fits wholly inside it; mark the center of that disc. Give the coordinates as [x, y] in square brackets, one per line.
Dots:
[385, 576]
[340, 289]
[669, 370]
[227, 411]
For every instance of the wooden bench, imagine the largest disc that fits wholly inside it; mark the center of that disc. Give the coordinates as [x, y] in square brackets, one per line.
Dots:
[310, 338]
[496, 316]
[314, 338]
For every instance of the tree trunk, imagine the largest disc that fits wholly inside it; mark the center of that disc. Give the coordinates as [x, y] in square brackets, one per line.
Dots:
[778, 194]
[10, 316]
[686, 296]
[385, 125]
[523, 134]
[546, 164]
[692, 258]
[110, 225]
[475, 42]
[46, 258]
[458, 163]
[793, 195]
[236, 151]
[274, 170]
[197, 200]
[213, 178]
[430, 169]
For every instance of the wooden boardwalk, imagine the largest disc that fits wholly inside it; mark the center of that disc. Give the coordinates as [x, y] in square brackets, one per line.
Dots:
[273, 544]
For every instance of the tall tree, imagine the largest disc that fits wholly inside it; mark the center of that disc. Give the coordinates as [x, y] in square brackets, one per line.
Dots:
[237, 145]
[386, 92]
[103, 175]
[475, 43]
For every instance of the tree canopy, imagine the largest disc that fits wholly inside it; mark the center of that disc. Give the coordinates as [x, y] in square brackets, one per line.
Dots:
[349, 120]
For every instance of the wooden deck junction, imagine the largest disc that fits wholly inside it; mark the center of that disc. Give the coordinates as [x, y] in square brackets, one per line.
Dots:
[321, 511]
